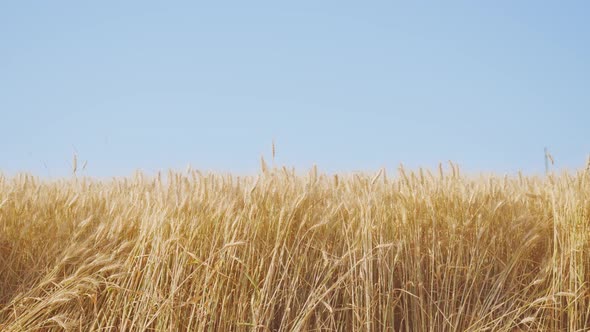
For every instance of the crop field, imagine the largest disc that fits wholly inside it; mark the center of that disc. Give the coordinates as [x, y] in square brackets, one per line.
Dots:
[422, 250]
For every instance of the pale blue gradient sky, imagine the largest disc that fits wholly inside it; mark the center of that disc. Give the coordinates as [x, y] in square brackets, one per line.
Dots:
[346, 85]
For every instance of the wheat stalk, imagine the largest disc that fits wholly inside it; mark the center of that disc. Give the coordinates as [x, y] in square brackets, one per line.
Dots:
[74, 164]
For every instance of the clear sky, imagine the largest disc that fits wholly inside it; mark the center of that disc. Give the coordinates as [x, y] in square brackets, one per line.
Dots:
[346, 85]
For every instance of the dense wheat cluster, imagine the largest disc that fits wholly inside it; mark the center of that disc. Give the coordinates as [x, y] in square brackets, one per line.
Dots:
[286, 252]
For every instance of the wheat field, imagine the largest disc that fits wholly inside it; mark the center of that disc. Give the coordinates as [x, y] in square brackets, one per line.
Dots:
[186, 251]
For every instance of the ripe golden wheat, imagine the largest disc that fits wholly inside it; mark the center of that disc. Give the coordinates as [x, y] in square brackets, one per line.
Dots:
[286, 252]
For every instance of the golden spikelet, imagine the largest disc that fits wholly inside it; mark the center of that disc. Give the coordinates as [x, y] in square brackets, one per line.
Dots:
[263, 166]
[376, 177]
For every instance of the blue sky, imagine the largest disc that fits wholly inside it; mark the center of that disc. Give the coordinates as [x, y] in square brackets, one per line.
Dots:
[346, 85]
